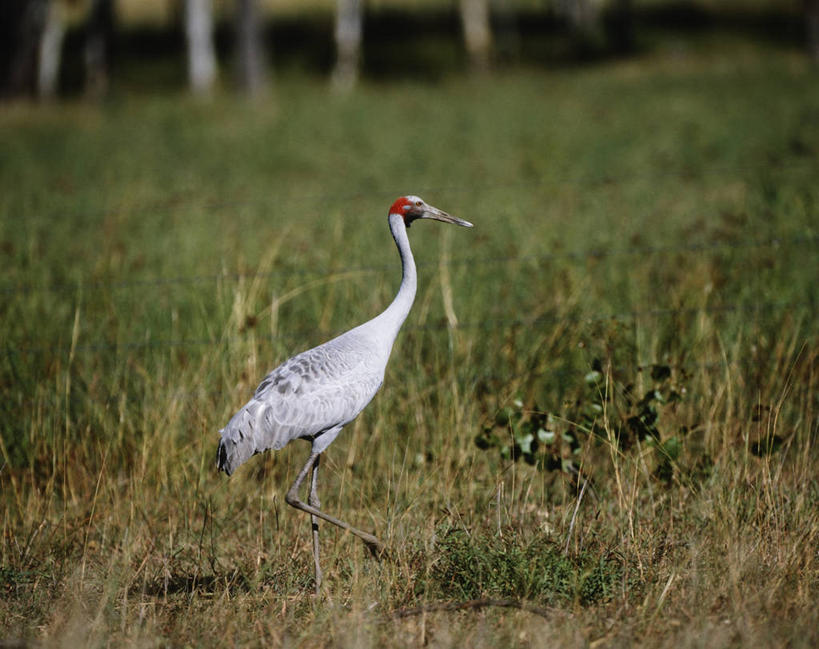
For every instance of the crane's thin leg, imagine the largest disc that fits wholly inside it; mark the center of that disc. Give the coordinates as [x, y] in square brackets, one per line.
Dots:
[292, 499]
[313, 501]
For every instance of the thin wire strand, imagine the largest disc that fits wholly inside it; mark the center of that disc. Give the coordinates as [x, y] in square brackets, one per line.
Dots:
[487, 324]
[563, 177]
[188, 196]
[577, 256]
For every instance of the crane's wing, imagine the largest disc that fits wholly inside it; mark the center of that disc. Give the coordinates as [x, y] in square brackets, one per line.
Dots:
[314, 392]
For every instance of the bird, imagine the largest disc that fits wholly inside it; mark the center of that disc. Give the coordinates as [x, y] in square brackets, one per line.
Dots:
[316, 393]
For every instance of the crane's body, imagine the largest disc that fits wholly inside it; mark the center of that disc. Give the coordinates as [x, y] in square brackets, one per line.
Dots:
[314, 394]
[310, 396]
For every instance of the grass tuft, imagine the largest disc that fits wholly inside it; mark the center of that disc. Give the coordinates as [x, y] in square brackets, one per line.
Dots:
[470, 567]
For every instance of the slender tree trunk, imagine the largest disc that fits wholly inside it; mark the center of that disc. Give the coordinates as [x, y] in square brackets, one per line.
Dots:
[506, 37]
[252, 76]
[583, 15]
[23, 25]
[812, 25]
[97, 46]
[477, 32]
[50, 51]
[349, 28]
[201, 54]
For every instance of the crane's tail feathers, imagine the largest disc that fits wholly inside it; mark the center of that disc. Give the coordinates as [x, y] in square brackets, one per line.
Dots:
[237, 445]
[223, 458]
[232, 454]
[251, 430]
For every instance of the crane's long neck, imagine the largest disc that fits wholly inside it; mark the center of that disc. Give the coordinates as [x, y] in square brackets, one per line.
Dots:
[394, 315]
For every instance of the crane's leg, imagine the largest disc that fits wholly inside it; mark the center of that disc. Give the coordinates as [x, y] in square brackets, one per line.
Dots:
[292, 498]
[313, 501]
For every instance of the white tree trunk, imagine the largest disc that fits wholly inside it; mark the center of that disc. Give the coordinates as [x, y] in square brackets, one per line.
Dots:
[51, 48]
[349, 28]
[251, 69]
[477, 32]
[201, 54]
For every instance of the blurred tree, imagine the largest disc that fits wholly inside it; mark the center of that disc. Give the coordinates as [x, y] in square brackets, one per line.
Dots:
[349, 28]
[50, 50]
[505, 36]
[201, 53]
[583, 17]
[812, 23]
[477, 32]
[22, 23]
[99, 21]
[252, 75]
[98, 39]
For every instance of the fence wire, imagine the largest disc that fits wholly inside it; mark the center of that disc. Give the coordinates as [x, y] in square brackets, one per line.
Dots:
[808, 240]
[190, 198]
[488, 324]
[561, 178]
[593, 253]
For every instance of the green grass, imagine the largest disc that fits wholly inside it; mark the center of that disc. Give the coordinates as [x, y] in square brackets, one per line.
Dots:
[160, 255]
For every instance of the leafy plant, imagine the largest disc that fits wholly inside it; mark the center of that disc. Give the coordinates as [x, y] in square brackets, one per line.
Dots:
[607, 407]
[531, 434]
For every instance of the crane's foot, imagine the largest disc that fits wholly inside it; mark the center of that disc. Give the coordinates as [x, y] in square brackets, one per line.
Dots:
[376, 547]
[378, 550]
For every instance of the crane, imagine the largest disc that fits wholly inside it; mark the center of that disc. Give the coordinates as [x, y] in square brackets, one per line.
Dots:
[314, 394]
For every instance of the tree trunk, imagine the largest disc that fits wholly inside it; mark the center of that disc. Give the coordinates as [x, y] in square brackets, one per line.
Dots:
[23, 22]
[201, 54]
[97, 45]
[477, 32]
[349, 27]
[50, 51]
[252, 76]
[506, 38]
[812, 25]
[583, 15]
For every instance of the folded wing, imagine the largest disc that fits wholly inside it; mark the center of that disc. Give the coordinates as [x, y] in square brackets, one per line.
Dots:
[309, 396]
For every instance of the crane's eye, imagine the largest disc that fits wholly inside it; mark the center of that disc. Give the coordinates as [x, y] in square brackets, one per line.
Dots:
[418, 203]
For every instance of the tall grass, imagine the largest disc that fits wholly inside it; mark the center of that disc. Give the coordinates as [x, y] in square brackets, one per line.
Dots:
[160, 256]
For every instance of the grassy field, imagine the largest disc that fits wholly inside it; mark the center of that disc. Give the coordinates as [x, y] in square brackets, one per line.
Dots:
[602, 409]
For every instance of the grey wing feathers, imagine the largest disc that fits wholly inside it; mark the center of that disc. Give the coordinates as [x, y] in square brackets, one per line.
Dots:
[318, 390]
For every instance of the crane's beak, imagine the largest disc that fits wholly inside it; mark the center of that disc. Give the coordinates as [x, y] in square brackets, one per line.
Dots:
[439, 215]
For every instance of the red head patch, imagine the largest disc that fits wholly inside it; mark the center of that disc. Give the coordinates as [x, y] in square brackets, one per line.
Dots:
[400, 206]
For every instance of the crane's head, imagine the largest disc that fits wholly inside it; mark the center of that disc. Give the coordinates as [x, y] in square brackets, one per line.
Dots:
[414, 207]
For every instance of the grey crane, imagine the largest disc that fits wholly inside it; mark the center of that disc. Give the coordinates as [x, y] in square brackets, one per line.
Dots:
[314, 394]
